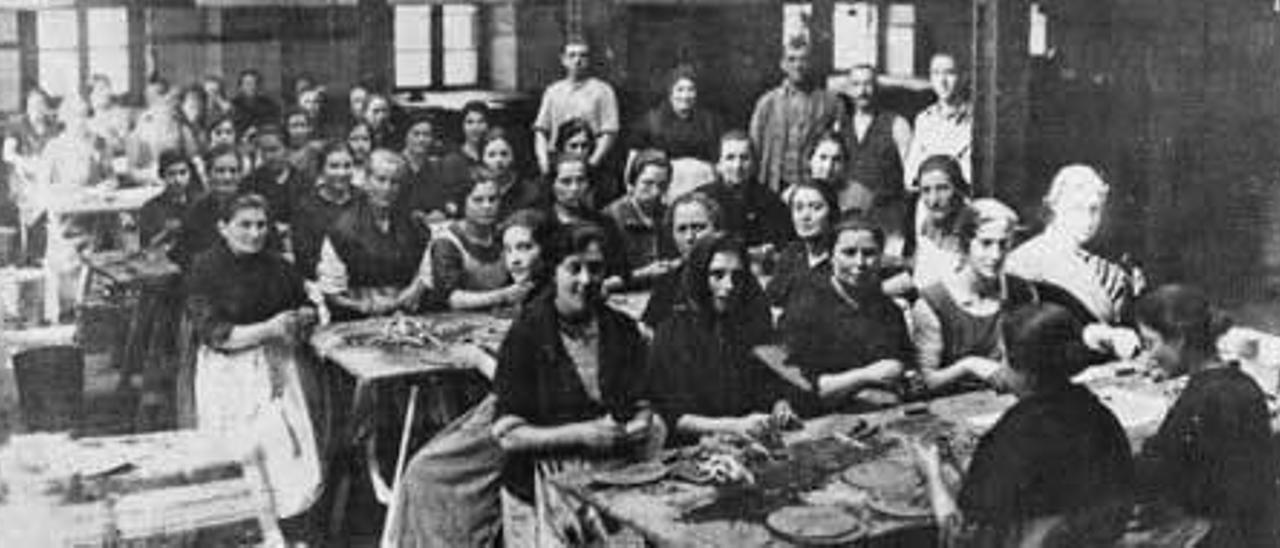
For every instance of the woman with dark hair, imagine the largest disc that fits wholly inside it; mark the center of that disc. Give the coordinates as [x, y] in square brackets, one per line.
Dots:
[1213, 455]
[814, 211]
[841, 330]
[251, 314]
[639, 214]
[379, 114]
[198, 231]
[1056, 469]
[452, 490]
[706, 378]
[570, 389]
[498, 163]
[690, 217]
[437, 171]
[956, 321]
[370, 254]
[931, 244]
[572, 189]
[679, 126]
[576, 138]
[318, 207]
[360, 139]
[476, 125]
[462, 268]
[160, 219]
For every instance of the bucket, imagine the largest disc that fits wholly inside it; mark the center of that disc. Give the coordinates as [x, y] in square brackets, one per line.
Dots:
[50, 387]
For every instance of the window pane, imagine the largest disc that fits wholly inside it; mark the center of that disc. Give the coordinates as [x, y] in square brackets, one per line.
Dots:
[1038, 41]
[59, 71]
[56, 29]
[900, 54]
[459, 27]
[412, 27]
[113, 62]
[10, 86]
[461, 67]
[413, 68]
[8, 26]
[108, 27]
[795, 21]
[857, 27]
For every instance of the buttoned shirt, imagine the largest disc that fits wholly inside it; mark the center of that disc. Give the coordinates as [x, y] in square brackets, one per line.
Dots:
[785, 120]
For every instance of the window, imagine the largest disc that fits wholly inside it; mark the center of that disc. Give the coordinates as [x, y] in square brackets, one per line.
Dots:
[10, 62]
[900, 44]
[856, 36]
[62, 42]
[1038, 40]
[878, 33]
[437, 46]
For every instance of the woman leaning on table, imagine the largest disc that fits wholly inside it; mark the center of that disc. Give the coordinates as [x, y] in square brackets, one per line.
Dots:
[1056, 469]
[842, 331]
[706, 378]
[370, 254]
[250, 312]
[1213, 455]
[570, 392]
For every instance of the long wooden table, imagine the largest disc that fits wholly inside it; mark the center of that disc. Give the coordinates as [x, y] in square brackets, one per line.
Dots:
[662, 511]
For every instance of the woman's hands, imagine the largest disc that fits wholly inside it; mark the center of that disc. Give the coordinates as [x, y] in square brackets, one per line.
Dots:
[516, 293]
[1119, 341]
[294, 324]
[655, 269]
[605, 433]
[929, 460]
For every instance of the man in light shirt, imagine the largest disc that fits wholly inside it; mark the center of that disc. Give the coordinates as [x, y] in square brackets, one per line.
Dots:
[578, 95]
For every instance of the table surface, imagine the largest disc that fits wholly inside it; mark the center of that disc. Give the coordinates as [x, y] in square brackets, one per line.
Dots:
[660, 511]
[98, 200]
[152, 478]
[374, 362]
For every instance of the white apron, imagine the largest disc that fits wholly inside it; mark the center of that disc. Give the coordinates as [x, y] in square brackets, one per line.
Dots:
[235, 399]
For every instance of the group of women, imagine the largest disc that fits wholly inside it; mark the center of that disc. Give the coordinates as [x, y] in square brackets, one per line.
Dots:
[764, 308]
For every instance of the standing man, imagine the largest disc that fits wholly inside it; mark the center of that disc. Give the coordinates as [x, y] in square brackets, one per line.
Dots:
[877, 142]
[945, 127]
[789, 116]
[578, 95]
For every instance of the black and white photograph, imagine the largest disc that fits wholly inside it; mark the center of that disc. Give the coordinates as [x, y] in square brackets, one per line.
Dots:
[640, 273]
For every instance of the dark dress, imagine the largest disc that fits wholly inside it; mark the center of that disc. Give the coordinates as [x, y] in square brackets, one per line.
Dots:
[257, 110]
[642, 236]
[695, 137]
[313, 214]
[200, 230]
[520, 193]
[702, 362]
[437, 185]
[615, 255]
[374, 258]
[538, 382]
[829, 331]
[1053, 453]
[281, 189]
[791, 270]
[1213, 457]
[751, 211]
[225, 290]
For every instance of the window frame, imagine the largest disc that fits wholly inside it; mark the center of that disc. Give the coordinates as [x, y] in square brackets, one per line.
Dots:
[30, 50]
[438, 51]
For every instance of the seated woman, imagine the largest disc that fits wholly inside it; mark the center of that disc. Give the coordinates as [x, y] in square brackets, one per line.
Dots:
[452, 493]
[639, 213]
[1056, 469]
[706, 378]
[931, 243]
[360, 139]
[576, 138]
[956, 321]
[160, 219]
[199, 228]
[841, 330]
[1099, 290]
[316, 208]
[370, 255]
[751, 210]
[814, 211]
[498, 162]
[828, 159]
[250, 311]
[476, 125]
[1212, 456]
[463, 268]
[572, 190]
[570, 388]
[690, 217]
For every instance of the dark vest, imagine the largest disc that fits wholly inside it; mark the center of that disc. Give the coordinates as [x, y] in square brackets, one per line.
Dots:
[874, 161]
[374, 258]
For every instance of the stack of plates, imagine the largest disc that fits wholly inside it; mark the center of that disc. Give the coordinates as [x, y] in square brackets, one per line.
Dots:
[815, 525]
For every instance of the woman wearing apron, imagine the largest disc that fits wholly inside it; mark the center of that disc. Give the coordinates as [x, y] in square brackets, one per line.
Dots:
[250, 312]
